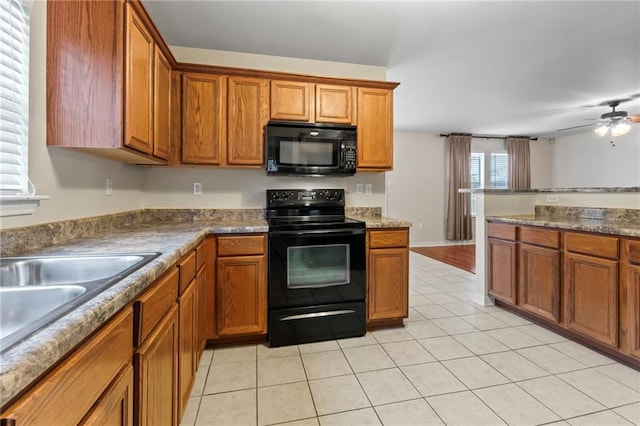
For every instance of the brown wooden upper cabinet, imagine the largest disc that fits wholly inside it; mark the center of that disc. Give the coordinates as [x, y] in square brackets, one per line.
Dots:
[316, 103]
[223, 119]
[375, 129]
[108, 82]
[203, 118]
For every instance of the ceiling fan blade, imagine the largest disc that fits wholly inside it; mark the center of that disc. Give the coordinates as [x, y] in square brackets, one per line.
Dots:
[634, 118]
[575, 127]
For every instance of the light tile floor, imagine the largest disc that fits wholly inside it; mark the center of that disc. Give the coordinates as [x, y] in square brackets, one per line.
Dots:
[454, 363]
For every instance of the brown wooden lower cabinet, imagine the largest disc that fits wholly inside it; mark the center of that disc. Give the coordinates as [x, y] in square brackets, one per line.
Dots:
[188, 315]
[240, 286]
[585, 285]
[81, 385]
[115, 406]
[633, 310]
[387, 275]
[156, 367]
[539, 273]
[502, 270]
[591, 297]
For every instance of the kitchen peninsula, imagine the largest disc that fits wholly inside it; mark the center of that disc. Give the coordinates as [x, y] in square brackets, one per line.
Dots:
[567, 259]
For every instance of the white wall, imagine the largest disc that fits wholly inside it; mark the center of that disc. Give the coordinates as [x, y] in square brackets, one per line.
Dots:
[233, 188]
[416, 188]
[278, 63]
[587, 160]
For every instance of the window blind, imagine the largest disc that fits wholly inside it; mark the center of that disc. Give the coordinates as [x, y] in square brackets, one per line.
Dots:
[14, 97]
[499, 170]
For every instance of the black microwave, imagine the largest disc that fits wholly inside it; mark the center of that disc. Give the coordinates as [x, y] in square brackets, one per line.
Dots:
[309, 149]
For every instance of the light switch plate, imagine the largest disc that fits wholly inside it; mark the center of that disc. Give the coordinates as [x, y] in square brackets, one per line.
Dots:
[368, 189]
[197, 188]
[359, 189]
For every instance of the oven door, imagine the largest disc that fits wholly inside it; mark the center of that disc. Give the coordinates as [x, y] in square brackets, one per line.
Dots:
[308, 268]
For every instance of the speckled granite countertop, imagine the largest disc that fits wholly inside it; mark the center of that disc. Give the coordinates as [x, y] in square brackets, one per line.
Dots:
[26, 361]
[588, 190]
[382, 222]
[131, 232]
[604, 220]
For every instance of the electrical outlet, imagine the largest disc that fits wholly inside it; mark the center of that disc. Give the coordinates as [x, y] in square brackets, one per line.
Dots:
[552, 198]
[197, 188]
[368, 189]
[109, 186]
[359, 189]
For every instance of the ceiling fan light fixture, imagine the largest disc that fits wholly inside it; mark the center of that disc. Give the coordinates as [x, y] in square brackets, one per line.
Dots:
[620, 129]
[602, 130]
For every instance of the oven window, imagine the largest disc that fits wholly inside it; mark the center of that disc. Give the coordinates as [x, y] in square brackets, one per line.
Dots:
[306, 153]
[317, 266]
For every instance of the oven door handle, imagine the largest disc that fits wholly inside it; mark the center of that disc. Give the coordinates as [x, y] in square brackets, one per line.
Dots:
[318, 315]
[321, 232]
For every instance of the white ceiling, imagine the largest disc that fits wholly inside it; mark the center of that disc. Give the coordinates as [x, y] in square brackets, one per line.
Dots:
[483, 67]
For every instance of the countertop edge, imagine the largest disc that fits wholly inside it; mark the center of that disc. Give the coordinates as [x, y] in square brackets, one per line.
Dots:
[586, 225]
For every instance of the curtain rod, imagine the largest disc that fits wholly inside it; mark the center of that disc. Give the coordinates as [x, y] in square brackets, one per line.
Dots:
[484, 136]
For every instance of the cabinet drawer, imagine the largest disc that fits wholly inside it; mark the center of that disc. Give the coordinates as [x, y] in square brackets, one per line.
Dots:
[634, 251]
[153, 304]
[201, 255]
[395, 238]
[67, 393]
[501, 231]
[241, 245]
[187, 268]
[540, 237]
[593, 245]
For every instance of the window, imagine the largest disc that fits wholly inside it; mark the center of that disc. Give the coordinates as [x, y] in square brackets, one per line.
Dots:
[499, 171]
[497, 174]
[16, 191]
[14, 102]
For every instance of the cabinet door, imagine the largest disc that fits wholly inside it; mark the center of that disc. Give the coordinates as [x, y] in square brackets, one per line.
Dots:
[539, 272]
[138, 84]
[247, 114]
[375, 129]
[633, 312]
[203, 118]
[188, 332]
[210, 289]
[241, 296]
[334, 104]
[201, 299]
[161, 105]
[115, 406]
[591, 297]
[156, 374]
[502, 270]
[388, 283]
[291, 101]
[66, 394]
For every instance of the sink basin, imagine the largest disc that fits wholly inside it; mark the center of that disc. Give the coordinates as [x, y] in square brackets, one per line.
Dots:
[35, 291]
[24, 305]
[56, 270]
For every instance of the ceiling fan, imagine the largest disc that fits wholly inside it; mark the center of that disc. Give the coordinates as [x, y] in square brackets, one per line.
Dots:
[618, 122]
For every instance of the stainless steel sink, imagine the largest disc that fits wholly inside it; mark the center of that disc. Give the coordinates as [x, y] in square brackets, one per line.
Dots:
[34, 291]
[24, 305]
[63, 270]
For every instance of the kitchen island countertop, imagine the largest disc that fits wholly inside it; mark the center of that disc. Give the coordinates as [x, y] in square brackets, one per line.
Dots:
[602, 226]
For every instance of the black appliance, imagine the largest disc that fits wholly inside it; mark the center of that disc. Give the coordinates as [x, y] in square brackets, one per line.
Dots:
[317, 267]
[308, 149]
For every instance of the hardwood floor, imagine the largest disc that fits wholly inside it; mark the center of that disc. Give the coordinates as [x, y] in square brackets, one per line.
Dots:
[460, 256]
